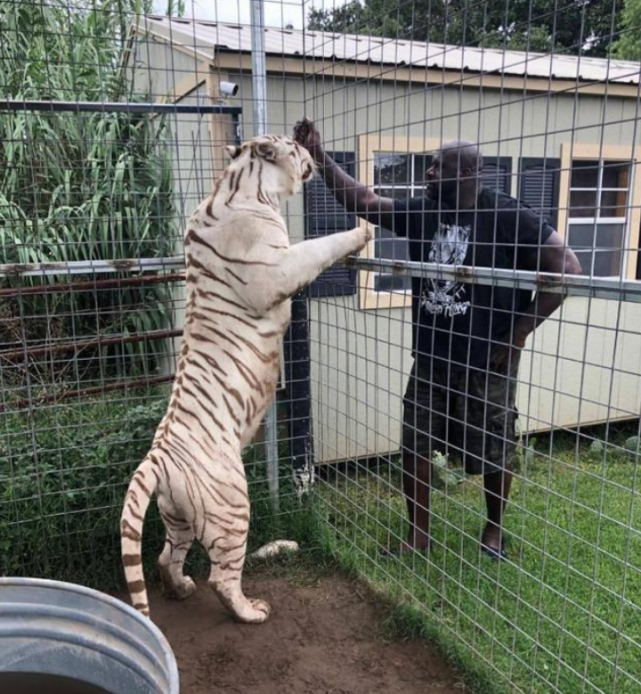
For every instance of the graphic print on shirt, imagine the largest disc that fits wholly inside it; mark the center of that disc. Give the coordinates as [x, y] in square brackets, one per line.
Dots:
[448, 247]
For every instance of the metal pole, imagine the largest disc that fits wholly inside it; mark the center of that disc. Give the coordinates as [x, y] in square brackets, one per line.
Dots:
[259, 110]
[30, 105]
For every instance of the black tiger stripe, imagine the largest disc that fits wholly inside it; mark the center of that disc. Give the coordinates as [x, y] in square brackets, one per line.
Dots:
[203, 392]
[246, 374]
[193, 236]
[231, 411]
[206, 294]
[139, 482]
[128, 531]
[205, 271]
[136, 586]
[235, 276]
[218, 333]
[209, 208]
[265, 358]
[211, 361]
[235, 187]
[259, 189]
[231, 182]
[131, 559]
[232, 391]
[234, 316]
[143, 606]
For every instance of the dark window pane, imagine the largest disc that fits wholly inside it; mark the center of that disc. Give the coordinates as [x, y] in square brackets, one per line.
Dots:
[391, 249]
[392, 283]
[390, 169]
[593, 253]
[615, 174]
[610, 235]
[607, 263]
[581, 236]
[583, 203]
[585, 174]
[613, 203]
[422, 163]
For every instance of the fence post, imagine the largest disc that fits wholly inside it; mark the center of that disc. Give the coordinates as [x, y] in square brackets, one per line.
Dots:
[299, 396]
[259, 111]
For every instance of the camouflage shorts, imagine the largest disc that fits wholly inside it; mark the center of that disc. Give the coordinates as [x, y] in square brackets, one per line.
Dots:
[466, 413]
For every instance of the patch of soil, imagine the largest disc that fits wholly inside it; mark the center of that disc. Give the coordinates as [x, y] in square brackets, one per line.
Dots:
[324, 636]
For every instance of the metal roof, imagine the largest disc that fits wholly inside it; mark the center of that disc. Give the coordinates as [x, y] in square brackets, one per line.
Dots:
[204, 37]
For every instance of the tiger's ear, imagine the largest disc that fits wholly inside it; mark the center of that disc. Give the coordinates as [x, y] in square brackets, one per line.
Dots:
[267, 150]
[233, 151]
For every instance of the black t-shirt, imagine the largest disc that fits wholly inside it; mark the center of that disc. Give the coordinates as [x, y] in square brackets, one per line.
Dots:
[455, 321]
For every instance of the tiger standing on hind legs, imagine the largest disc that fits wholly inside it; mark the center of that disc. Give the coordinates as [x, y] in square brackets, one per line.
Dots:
[240, 275]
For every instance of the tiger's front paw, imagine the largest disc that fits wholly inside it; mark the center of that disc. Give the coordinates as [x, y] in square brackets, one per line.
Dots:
[363, 237]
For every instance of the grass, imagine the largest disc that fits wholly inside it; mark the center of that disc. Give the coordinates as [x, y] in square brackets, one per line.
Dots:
[64, 471]
[564, 615]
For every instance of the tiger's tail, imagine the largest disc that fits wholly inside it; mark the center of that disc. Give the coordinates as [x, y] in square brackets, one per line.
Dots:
[143, 484]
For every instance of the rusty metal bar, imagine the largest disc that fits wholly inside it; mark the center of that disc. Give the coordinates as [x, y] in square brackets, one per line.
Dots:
[90, 267]
[88, 286]
[113, 107]
[569, 285]
[79, 345]
[83, 392]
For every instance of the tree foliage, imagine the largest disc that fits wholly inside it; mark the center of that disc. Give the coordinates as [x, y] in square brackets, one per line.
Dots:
[628, 46]
[559, 26]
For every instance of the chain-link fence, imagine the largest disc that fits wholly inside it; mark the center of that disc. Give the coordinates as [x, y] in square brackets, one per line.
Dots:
[467, 390]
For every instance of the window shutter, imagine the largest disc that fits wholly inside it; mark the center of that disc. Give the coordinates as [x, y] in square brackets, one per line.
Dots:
[497, 173]
[539, 185]
[324, 215]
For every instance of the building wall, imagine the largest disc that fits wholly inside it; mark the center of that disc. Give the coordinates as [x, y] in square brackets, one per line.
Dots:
[571, 369]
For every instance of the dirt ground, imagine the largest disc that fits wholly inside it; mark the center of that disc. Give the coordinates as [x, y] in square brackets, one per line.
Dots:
[325, 636]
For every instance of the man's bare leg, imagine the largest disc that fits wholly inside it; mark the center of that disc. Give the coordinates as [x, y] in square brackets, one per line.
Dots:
[417, 479]
[497, 490]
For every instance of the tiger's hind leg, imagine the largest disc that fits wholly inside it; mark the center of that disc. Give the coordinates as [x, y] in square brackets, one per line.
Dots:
[227, 548]
[178, 541]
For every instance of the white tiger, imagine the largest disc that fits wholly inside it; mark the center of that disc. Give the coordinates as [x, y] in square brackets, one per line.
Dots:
[241, 273]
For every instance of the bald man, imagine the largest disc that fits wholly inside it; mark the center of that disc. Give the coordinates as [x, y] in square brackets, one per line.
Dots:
[467, 338]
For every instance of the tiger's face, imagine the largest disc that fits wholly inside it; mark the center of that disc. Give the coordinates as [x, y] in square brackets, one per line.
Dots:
[280, 161]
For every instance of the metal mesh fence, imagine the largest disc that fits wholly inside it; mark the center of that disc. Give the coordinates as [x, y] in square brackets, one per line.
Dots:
[465, 341]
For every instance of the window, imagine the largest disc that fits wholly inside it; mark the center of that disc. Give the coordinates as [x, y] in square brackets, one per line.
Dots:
[598, 215]
[396, 176]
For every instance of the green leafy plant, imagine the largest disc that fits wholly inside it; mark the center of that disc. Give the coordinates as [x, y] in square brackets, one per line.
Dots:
[79, 186]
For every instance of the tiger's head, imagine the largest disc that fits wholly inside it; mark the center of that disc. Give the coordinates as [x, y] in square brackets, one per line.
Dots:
[282, 163]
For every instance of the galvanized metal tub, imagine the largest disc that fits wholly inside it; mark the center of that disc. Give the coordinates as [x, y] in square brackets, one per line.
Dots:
[61, 638]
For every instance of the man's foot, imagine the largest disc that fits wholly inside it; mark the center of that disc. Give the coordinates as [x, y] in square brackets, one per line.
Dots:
[492, 543]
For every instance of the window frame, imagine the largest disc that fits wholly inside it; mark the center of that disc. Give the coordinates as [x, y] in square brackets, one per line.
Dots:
[603, 153]
[368, 145]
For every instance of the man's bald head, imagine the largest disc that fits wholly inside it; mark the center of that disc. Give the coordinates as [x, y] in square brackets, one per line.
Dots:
[453, 176]
[462, 155]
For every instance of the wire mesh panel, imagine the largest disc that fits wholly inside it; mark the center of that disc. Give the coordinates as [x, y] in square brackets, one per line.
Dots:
[476, 436]
[471, 380]
[114, 123]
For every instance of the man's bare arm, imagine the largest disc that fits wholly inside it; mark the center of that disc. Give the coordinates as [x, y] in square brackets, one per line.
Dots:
[354, 196]
[556, 257]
